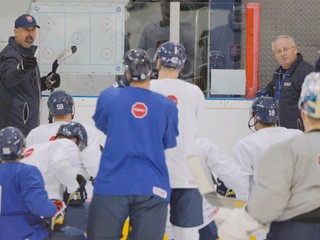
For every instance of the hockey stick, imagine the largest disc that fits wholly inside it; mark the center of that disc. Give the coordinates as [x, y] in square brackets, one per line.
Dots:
[217, 200]
[207, 188]
[64, 55]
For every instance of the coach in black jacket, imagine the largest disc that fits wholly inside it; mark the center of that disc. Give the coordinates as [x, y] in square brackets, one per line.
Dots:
[20, 81]
[287, 80]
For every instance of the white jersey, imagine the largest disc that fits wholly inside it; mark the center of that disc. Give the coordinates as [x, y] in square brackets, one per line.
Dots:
[248, 150]
[219, 164]
[190, 101]
[58, 163]
[90, 156]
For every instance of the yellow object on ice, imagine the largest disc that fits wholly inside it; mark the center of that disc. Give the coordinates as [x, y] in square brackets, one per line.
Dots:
[125, 231]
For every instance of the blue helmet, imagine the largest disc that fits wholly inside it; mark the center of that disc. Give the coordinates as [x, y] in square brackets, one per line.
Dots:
[74, 129]
[266, 110]
[138, 64]
[11, 143]
[172, 55]
[60, 103]
[309, 101]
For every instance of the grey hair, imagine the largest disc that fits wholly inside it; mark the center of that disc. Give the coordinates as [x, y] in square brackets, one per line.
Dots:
[291, 40]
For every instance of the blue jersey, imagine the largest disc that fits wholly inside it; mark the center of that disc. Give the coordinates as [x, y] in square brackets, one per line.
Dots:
[140, 125]
[23, 200]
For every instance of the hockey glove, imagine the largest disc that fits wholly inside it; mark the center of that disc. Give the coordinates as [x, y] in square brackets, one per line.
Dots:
[262, 93]
[224, 191]
[78, 197]
[50, 82]
[240, 225]
[56, 222]
[27, 63]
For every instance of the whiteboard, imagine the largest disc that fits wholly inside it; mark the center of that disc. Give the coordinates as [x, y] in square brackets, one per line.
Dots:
[96, 29]
[228, 81]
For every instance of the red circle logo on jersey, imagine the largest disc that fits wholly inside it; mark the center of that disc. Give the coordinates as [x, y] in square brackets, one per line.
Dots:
[173, 98]
[52, 138]
[139, 110]
[28, 152]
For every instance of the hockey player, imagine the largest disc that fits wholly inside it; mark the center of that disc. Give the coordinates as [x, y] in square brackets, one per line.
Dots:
[287, 190]
[133, 178]
[23, 197]
[58, 160]
[186, 201]
[247, 151]
[61, 108]
[239, 171]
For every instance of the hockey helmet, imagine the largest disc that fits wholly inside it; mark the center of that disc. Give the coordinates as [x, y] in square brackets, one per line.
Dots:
[74, 129]
[172, 55]
[11, 143]
[60, 103]
[309, 101]
[266, 110]
[138, 64]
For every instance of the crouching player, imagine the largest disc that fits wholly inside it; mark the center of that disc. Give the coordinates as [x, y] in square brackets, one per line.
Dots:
[58, 161]
[23, 200]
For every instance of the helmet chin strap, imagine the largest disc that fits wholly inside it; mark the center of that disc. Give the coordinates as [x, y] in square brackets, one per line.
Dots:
[250, 126]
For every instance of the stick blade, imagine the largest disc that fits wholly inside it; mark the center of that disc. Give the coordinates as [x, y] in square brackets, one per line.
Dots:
[65, 54]
[73, 49]
[206, 186]
[215, 199]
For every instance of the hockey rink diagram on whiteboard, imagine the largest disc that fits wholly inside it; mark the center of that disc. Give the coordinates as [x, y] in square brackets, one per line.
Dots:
[97, 30]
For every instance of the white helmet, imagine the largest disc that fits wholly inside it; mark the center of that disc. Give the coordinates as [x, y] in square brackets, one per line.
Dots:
[309, 101]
